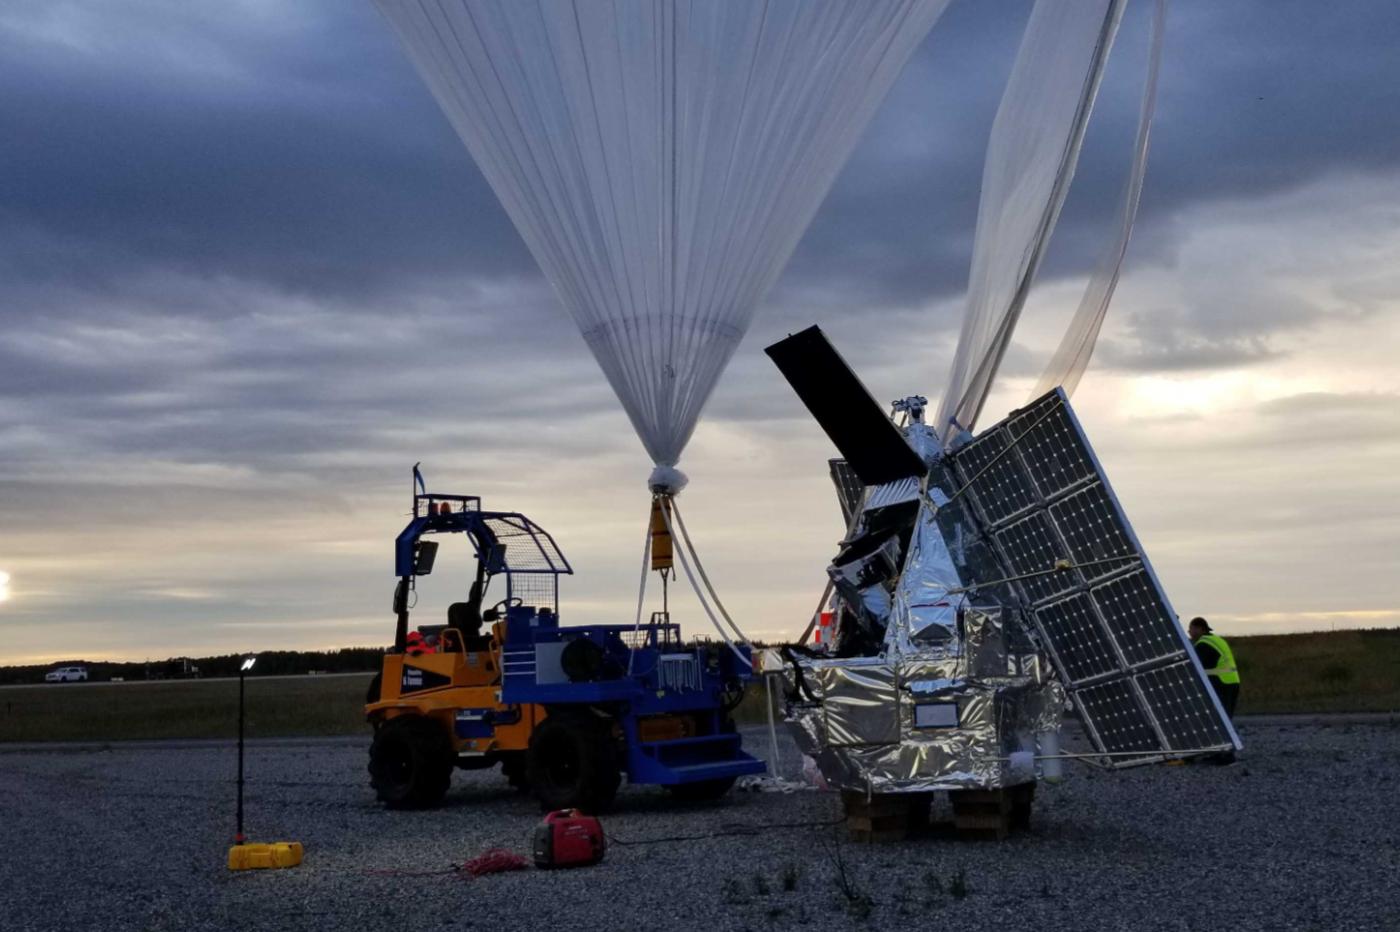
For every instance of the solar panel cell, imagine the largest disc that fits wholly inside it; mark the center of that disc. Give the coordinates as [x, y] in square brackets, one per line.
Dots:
[1137, 619]
[1087, 520]
[1073, 629]
[1112, 711]
[1056, 458]
[997, 478]
[1182, 707]
[1031, 547]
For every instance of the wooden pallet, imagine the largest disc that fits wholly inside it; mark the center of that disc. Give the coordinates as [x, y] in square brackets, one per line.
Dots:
[885, 816]
[992, 813]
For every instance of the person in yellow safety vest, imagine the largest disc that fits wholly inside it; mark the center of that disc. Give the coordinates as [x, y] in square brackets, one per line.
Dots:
[1219, 663]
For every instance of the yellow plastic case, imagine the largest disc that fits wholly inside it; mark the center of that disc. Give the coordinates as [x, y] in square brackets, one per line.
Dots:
[254, 857]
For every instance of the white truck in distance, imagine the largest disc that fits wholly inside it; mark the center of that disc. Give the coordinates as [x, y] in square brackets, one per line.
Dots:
[66, 675]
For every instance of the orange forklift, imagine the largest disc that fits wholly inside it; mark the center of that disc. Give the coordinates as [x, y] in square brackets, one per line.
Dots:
[565, 711]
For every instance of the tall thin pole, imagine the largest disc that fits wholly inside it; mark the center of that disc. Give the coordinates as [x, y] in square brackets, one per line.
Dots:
[238, 838]
[772, 729]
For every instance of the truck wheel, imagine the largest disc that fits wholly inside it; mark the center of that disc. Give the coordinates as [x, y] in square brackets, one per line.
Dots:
[702, 790]
[572, 763]
[375, 689]
[410, 763]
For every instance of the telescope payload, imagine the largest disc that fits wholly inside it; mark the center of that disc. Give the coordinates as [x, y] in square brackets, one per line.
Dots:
[981, 588]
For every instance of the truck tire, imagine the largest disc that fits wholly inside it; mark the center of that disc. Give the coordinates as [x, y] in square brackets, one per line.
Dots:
[375, 689]
[702, 790]
[572, 763]
[410, 763]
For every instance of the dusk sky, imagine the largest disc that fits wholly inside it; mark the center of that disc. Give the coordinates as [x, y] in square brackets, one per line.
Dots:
[249, 275]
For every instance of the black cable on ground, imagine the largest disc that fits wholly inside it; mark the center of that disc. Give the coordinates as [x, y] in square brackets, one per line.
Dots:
[396, 872]
[730, 831]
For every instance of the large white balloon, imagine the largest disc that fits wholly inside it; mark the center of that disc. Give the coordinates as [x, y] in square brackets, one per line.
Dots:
[661, 158]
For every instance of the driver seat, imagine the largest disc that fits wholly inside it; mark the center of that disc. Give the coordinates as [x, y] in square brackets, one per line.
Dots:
[466, 618]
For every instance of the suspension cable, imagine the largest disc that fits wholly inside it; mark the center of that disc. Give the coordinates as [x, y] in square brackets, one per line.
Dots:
[690, 578]
[699, 567]
[641, 597]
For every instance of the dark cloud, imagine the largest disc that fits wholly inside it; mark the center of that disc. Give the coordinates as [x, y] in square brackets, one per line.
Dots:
[1361, 423]
[309, 156]
[302, 150]
[1182, 355]
[1385, 405]
[1168, 340]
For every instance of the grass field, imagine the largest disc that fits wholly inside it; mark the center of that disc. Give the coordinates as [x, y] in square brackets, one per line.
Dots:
[1343, 671]
[1338, 671]
[277, 707]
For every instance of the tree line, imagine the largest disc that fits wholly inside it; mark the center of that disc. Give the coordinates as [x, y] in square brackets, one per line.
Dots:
[270, 663]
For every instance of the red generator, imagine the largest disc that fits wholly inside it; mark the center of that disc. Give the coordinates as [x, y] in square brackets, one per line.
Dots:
[568, 838]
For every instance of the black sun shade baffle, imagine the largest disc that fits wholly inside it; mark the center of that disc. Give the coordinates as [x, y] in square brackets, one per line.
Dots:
[871, 444]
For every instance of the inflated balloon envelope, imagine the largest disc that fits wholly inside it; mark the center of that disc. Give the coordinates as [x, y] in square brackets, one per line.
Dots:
[661, 160]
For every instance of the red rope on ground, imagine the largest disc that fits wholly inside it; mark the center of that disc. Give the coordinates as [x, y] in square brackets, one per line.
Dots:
[495, 861]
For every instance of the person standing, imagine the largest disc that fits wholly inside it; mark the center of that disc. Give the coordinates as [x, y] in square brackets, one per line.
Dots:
[1219, 663]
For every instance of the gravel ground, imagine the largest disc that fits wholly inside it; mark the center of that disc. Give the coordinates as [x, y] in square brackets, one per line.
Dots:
[1305, 834]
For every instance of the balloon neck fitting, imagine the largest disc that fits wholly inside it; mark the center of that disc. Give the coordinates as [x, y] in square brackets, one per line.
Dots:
[667, 480]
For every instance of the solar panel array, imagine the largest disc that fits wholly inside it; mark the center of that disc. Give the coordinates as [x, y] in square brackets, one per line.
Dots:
[849, 489]
[1071, 559]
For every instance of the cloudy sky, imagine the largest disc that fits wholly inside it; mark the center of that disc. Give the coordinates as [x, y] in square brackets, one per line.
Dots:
[248, 276]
